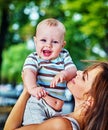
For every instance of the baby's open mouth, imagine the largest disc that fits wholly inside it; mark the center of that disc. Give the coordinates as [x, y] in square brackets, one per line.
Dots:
[47, 52]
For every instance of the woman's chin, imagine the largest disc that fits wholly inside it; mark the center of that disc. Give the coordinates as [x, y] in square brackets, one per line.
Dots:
[69, 84]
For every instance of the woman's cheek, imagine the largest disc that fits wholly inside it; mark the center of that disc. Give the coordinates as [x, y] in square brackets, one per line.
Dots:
[69, 85]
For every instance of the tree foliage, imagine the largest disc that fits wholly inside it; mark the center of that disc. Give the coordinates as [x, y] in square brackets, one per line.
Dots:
[86, 23]
[13, 62]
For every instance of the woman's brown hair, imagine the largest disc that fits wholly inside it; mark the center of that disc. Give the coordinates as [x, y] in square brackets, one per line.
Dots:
[97, 118]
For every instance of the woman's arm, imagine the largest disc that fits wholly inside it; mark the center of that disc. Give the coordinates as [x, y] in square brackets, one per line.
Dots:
[56, 123]
[14, 120]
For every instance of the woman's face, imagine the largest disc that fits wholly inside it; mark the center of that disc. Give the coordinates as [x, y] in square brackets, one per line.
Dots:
[82, 83]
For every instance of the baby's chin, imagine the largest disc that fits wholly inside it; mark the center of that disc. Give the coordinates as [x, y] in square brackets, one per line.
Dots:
[45, 58]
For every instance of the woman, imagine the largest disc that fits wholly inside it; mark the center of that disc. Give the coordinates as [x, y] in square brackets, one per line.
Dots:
[90, 85]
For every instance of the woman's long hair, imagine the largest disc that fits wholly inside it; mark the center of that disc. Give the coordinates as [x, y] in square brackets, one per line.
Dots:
[97, 118]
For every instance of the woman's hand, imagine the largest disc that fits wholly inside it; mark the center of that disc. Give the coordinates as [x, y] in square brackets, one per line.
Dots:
[80, 111]
[86, 106]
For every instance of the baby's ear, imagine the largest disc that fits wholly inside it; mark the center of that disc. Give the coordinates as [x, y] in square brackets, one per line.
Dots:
[64, 43]
[34, 38]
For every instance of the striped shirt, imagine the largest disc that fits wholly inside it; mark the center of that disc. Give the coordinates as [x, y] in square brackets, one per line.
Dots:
[47, 69]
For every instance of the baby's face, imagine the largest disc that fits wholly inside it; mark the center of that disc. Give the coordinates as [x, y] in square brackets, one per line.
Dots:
[49, 41]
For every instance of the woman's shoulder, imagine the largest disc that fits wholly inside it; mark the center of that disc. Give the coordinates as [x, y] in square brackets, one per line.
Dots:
[74, 123]
[64, 122]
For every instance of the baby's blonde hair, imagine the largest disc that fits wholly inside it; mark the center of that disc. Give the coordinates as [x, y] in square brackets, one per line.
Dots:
[52, 23]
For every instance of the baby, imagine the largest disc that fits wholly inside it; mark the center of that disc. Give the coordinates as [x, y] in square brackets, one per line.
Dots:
[46, 72]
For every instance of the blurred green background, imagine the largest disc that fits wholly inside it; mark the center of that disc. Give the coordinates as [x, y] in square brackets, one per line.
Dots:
[86, 22]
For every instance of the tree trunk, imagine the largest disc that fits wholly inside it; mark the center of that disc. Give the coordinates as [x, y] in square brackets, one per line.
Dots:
[3, 32]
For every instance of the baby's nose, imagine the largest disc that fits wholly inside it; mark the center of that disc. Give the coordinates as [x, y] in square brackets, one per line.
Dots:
[49, 44]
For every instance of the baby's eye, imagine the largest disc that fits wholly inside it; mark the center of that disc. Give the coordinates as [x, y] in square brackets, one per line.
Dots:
[43, 40]
[55, 42]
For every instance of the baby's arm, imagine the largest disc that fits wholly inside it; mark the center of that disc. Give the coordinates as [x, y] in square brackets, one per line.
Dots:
[29, 80]
[64, 75]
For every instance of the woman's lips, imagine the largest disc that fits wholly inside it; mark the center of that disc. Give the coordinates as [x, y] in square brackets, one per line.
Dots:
[73, 81]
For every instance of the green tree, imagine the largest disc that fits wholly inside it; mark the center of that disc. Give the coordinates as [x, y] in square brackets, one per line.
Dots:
[13, 62]
[88, 28]
[86, 24]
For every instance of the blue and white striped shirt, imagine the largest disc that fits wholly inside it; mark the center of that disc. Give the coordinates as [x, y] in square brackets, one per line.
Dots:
[47, 69]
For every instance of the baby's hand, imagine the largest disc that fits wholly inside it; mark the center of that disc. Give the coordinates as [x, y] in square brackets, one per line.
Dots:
[40, 92]
[57, 79]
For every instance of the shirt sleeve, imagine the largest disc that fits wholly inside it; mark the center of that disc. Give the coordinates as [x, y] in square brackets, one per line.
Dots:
[68, 62]
[31, 62]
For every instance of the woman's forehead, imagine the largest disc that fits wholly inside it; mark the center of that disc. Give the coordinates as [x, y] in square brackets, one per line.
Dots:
[93, 72]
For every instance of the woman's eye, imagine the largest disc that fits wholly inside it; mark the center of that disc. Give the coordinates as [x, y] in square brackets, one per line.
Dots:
[83, 77]
[43, 40]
